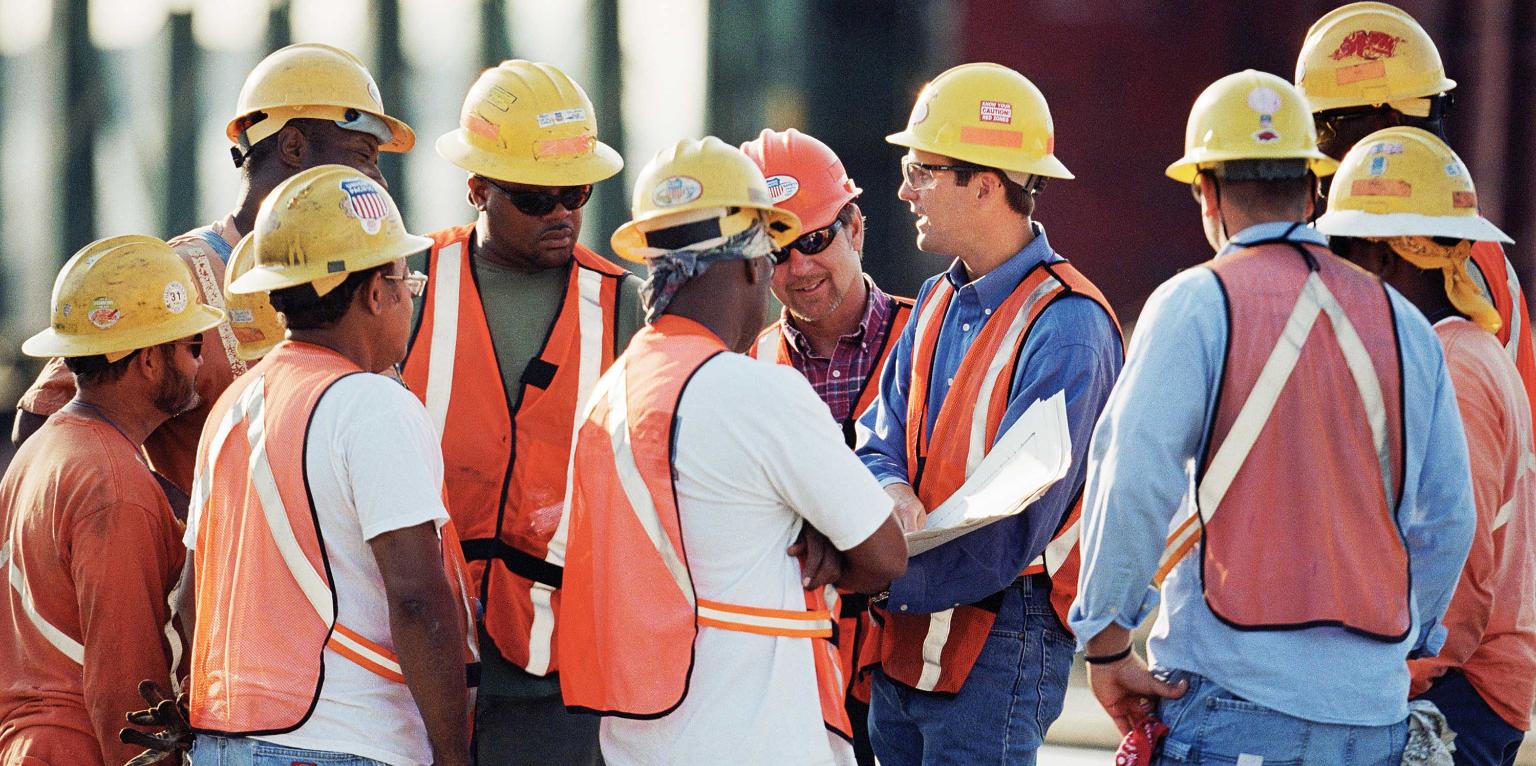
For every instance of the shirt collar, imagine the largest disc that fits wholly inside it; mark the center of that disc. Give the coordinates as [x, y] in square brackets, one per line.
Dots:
[995, 287]
[1274, 230]
[876, 305]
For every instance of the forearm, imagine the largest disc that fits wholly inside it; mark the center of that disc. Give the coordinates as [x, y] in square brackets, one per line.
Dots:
[428, 634]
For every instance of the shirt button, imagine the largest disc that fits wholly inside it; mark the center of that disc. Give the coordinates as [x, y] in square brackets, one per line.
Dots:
[988, 312]
[951, 382]
[965, 327]
[837, 373]
[903, 607]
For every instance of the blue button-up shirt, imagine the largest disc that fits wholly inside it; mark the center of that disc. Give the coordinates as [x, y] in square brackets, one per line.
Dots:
[1141, 475]
[1073, 347]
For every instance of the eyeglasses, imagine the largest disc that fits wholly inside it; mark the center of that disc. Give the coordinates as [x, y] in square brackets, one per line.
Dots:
[919, 175]
[1328, 122]
[810, 243]
[194, 345]
[415, 282]
[541, 203]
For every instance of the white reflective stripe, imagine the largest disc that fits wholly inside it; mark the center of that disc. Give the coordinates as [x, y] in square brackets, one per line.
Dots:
[634, 487]
[1516, 303]
[760, 621]
[978, 436]
[445, 333]
[768, 345]
[931, 311]
[1363, 370]
[933, 649]
[1506, 511]
[384, 661]
[1183, 533]
[1056, 551]
[265, 483]
[67, 646]
[590, 332]
[202, 487]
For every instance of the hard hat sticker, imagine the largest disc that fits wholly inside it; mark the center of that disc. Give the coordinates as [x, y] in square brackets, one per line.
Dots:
[1381, 187]
[1370, 70]
[241, 316]
[478, 125]
[175, 297]
[562, 116]
[1453, 170]
[1266, 102]
[500, 97]
[1366, 44]
[1463, 200]
[781, 188]
[997, 111]
[676, 190]
[104, 313]
[365, 203]
[920, 109]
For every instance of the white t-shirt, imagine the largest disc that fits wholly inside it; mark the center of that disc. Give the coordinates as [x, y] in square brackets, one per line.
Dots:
[757, 454]
[374, 466]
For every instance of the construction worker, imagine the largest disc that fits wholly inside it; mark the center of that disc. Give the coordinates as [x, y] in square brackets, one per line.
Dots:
[698, 468]
[1484, 678]
[974, 649]
[837, 328]
[1367, 66]
[88, 541]
[518, 325]
[332, 615]
[304, 105]
[1310, 405]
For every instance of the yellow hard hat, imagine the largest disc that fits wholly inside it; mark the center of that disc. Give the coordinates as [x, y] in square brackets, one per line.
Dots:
[1401, 182]
[529, 123]
[1249, 115]
[985, 114]
[318, 82]
[321, 225]
[1367, 54]
[257, 325]
[695, 182]
[121, 294]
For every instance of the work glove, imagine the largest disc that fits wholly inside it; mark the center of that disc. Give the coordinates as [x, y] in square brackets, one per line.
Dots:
[175, 735]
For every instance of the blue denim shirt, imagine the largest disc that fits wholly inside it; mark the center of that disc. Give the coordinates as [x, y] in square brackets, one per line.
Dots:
[1073, 347]
[1141, 476]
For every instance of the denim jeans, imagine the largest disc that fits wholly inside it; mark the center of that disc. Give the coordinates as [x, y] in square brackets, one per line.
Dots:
[1482, 737]
[240, 751]
[1210, 725]
[1001, 713]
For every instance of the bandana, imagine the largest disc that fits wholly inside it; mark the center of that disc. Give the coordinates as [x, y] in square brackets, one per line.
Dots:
[671, 269]
[1463, 292]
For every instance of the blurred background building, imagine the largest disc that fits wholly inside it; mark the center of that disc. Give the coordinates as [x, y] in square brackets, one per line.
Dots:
[112, 111]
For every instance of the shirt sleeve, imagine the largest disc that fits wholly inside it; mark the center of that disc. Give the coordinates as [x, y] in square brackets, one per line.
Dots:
[393, 464]
[1143, 449]
[123, 559]
[881, 432]
[1073, 348]
[53, 389]
[631, 313]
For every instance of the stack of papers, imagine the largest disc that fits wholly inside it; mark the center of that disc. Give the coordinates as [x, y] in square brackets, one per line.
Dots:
[1029, 457]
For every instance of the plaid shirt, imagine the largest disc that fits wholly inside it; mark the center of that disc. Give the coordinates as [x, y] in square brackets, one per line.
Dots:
[839, 380]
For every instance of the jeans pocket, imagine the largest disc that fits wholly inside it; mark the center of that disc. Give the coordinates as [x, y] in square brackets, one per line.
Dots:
[1234, 727]
[269, 754]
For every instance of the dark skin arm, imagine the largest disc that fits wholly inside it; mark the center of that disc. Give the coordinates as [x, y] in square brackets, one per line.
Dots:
[865, 568]
[428, 635]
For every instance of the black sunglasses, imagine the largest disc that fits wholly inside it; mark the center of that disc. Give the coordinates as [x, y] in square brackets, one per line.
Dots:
[540, 203]
[194, 344]
[810, 243]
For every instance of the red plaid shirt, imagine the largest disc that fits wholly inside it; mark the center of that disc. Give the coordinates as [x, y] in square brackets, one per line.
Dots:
[839, 380]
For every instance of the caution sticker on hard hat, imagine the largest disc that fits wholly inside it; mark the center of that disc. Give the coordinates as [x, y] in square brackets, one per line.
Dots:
[104, 313]
[365, 203]
[175, 297]
[676, 190]
[562, 116]
[997, 111]
[781, 188]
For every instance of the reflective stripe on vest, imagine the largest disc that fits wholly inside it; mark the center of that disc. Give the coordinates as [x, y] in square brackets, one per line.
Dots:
[507, 451]
[935, 652]
[1495, 276]
[57, 638]
[623, 507]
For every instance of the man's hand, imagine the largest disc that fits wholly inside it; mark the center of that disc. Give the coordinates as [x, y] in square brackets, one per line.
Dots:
[909, 510]
[820, 562]
[170, 716]
[1127, 690]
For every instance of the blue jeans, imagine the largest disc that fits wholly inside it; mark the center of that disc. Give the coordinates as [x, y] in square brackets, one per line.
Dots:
[1000, 714]
[1482, 737]
[1210, 725]
[239, 751]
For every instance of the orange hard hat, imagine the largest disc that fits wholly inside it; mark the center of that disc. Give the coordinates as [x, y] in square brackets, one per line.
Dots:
[804, 175]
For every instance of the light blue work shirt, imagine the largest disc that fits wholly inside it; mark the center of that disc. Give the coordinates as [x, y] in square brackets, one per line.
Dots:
[1141, 470]
[1072, 347]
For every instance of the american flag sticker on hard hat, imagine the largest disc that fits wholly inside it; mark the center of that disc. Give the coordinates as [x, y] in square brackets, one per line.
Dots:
[365, 203]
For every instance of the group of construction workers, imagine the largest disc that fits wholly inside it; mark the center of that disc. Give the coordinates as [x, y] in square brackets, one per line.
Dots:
[302, 487]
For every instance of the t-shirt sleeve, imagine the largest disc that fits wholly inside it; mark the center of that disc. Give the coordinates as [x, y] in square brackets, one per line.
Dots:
[393, 463]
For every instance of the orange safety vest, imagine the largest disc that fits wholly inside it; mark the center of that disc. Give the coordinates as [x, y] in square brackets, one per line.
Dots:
[1496, 276]
[507, 451]
[1307, 533]
[935, 652]
[623, 508]
[858, 639]
[266, 616]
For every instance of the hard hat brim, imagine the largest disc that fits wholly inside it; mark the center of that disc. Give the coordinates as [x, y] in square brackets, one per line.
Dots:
[49, 343]
[261, 279]
[1324, 103]
[628, 241]
[1187, 168]
[1047, 166]
[1358, 223]
[402, 137]
[599, 165]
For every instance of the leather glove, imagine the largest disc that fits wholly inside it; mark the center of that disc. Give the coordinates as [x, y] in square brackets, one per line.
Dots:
[170, 716]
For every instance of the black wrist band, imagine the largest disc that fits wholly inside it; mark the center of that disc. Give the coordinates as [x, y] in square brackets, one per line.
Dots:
[1108, 658]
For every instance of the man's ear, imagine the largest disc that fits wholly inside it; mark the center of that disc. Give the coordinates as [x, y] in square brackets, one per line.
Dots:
[477, 192]
[374, 294]
[856, 229]
[148, 362]
[292, 147]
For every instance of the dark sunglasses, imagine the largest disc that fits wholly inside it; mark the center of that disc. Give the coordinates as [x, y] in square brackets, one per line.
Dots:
[541, 203]
[810, 243]
[194, 344]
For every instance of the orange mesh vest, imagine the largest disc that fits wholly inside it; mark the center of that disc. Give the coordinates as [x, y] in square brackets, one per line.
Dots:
[266, 605]
[858, 639]
[1297, 493]
[629, 605]
[1496, 275]
[935, 652]
[506, 452]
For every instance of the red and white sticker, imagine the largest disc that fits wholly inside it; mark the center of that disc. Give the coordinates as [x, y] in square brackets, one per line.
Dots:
[104, 313]
[175, 297]
[676, 190]
[781, 188]
[997, 111]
